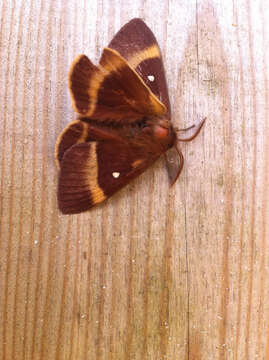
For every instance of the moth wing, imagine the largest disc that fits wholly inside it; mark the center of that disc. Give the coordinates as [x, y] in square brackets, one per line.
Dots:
[75, 133]
[136, 43]
[92, 172]
[111, 92]
[78, 132]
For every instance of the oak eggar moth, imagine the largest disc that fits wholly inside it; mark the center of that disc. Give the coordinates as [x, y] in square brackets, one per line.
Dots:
[124, 120]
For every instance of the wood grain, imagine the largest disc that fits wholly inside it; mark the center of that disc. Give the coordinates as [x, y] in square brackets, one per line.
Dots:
[155, 272]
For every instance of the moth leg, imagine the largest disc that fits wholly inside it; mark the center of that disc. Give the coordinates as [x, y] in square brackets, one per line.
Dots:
[181, 163]
[193, 136]
[173, 178]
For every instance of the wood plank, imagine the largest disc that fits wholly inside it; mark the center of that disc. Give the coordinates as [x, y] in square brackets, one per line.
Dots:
[155, 272]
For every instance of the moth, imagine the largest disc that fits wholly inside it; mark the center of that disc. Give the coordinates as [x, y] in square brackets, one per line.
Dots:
[124, 120]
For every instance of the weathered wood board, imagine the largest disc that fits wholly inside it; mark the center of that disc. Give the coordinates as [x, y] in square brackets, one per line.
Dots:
[156, 272]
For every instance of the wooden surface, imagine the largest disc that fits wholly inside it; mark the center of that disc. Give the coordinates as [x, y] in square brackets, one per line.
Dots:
[157, 272]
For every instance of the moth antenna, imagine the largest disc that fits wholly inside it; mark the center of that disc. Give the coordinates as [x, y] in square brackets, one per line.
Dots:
[185, 129]
[181, 163]
[193, 136]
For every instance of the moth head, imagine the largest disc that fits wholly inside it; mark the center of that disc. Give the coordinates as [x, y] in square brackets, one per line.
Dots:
[162, 129]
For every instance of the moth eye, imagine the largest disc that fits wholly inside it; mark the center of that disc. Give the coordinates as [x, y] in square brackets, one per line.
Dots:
[115, 174]
[151, 77]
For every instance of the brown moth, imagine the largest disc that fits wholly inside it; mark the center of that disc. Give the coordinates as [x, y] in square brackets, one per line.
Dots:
[124, 120]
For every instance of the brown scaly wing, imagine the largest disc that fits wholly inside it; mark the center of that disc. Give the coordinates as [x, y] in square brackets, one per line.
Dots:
[112, 91]
[137, 44]
[78, 132]
[92, 172]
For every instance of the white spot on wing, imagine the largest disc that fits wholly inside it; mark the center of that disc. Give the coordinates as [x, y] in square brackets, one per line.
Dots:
[115, 174]
[151, 77]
